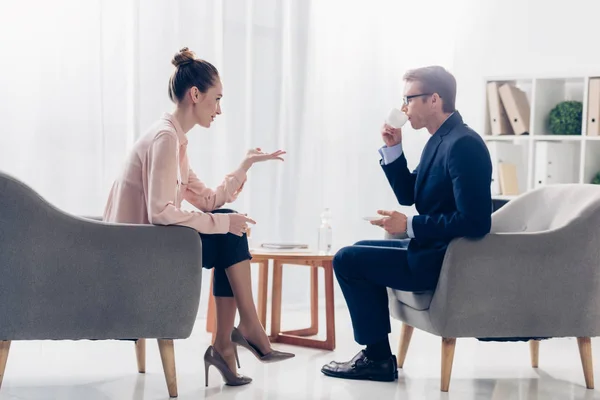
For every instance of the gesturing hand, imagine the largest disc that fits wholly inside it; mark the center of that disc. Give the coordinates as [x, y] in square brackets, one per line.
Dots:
[238, 224]
[393, 222]
[257, 155]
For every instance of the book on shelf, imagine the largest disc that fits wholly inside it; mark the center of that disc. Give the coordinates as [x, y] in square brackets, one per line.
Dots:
[500, 125]
[593, 114]
[517, 108]
[507, 174]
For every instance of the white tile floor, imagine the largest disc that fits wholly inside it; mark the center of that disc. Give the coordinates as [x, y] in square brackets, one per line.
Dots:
[107, 370]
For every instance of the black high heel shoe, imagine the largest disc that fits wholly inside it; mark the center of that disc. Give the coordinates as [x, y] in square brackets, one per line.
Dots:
[212, 357]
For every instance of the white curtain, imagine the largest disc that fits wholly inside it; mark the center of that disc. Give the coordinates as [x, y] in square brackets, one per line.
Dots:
[63, 100]
[81, 80]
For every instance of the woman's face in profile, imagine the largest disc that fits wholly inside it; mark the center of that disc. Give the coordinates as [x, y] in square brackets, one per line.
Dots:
[208, 105]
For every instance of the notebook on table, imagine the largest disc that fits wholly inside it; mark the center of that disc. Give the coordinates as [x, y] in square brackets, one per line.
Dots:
[284, 246]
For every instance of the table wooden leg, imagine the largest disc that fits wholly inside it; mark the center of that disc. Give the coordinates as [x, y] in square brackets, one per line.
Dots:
[314, 299]
[297, 337]
[329, 305]
[276, 300]
[263, 285]
[314, 306]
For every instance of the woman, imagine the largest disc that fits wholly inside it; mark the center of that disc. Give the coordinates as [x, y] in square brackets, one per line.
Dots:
[157, 178]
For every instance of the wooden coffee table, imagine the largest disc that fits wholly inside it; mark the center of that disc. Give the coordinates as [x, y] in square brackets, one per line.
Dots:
[297, 337]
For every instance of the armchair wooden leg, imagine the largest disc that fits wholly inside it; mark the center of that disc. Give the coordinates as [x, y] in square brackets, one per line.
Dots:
[448, 345]
[534, 352]
[4, 347]
[167, 356]
[405, 337]
[140, 353]
[585, 351]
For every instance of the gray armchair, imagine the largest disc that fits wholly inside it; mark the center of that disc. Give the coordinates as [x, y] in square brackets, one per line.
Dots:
[536, 275]
[66, 277]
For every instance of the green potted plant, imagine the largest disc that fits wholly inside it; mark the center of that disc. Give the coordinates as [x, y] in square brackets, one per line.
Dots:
[565, 118]
[596, 180]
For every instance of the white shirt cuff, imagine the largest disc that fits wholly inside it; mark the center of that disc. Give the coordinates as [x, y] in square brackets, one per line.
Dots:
[409, 227]
[390, 154]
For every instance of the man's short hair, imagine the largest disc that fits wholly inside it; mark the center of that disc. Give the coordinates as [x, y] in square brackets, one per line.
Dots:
[435, 79]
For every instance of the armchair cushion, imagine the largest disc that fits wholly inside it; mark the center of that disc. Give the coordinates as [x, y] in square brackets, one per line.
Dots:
[417, 300]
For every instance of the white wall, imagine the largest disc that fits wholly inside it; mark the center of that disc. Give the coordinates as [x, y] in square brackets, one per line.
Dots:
[521, 37]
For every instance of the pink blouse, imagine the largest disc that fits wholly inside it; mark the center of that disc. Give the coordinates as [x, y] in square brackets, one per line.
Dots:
[157, 178]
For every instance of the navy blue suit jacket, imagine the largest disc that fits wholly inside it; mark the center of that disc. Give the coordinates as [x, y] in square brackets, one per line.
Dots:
[451, 190]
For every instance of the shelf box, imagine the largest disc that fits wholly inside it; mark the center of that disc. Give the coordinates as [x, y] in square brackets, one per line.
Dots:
[592, 125]
[556, 162]
[511, 153]
[548, 94]
[591, 161]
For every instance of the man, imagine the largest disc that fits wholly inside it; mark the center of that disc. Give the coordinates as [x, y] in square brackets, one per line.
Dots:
[451, 191]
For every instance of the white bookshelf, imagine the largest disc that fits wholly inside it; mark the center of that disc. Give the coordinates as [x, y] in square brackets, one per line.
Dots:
[544, 93]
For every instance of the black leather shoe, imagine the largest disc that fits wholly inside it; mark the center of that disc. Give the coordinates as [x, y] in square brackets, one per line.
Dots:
[345, 362]
[362, 367]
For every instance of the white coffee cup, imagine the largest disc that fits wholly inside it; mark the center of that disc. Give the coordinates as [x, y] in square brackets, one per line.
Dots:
[396, 118]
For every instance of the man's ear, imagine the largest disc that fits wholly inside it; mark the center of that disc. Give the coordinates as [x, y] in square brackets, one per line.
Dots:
[436, 100]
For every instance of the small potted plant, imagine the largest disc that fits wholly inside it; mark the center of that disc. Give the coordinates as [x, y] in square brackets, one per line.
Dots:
[565, 118]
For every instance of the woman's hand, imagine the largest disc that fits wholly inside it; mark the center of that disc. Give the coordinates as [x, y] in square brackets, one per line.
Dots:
[256, 155]
[238, 224]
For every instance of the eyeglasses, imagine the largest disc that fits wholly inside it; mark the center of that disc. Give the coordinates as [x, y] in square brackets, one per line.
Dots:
[406, 99]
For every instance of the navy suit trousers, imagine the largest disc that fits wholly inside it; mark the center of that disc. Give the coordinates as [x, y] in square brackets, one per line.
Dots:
[364, 271]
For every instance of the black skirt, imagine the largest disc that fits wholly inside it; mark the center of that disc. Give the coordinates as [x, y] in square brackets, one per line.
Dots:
[221, 251]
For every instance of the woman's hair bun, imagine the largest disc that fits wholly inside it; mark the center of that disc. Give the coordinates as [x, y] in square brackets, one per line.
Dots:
[185, 56]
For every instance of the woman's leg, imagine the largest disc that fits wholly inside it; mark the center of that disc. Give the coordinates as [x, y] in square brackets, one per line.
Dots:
[224, 300]
[232, 287]
[226, 308]
[250, 326]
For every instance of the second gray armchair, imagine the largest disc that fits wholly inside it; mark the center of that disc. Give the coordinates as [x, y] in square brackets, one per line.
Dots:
[536, 275]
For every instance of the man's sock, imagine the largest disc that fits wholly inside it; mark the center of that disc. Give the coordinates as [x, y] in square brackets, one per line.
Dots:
[379, 351]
